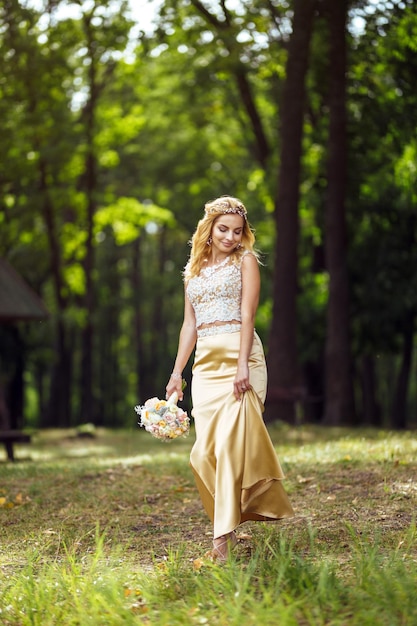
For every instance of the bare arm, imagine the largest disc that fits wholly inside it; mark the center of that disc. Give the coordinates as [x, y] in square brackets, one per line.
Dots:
[187, 339]
[251, 284]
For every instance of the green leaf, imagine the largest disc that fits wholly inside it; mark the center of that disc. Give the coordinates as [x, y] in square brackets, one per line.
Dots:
[127, 217]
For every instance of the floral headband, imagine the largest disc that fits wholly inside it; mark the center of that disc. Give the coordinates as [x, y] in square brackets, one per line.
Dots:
[224, 207]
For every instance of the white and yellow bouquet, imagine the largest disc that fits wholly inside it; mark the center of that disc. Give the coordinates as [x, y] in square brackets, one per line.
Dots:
[163, 418]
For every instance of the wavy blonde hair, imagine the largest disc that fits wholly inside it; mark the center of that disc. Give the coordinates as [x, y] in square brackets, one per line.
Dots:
[200, 251]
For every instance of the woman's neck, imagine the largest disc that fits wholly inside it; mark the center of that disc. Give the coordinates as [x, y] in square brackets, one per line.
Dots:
[216, 260]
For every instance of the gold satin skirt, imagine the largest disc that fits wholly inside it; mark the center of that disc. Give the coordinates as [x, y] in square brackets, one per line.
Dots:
[236, 469]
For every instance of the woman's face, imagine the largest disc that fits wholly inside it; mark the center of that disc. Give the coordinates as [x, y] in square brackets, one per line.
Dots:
[227, 233]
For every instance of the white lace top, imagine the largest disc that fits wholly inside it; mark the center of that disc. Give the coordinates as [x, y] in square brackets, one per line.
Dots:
[216, 295]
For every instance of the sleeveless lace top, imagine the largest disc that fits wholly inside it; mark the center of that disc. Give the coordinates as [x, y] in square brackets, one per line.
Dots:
[216, 295]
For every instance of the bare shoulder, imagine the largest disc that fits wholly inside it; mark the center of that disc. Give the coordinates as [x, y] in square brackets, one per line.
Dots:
[249, 261]
[250, 270]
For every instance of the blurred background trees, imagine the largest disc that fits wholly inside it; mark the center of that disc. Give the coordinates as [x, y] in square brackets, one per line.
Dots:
[114, 135]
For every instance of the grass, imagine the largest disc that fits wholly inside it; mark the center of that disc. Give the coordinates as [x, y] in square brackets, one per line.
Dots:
[109, 530]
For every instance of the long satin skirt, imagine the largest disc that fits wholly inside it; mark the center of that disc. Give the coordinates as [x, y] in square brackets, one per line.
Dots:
[236, 469]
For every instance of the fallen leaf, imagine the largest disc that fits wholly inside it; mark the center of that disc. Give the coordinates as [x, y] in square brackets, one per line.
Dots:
[139, 607]
[162, 566]
[302, 479]
[132, 592]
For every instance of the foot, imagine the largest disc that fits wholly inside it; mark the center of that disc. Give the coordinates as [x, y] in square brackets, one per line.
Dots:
[223, 545]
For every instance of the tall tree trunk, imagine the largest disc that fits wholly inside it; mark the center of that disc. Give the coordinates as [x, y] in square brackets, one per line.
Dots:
[40, 377]
[339, 405]
[106, 330]
[4, 409]
[282, 345]
[313, 377]
[87, 408]
[158, 335]
[371, 409]
[138, 327]
[58, 412]
[16, 383]
[399, 405]
[261, 147]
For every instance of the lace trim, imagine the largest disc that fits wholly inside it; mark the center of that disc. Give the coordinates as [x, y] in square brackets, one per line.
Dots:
[209, 270]
[218, 329]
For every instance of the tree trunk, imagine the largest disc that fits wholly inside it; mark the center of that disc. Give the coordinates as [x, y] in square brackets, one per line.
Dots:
[4, 409]
[109, 378]
[16, 383]
[58, 412]
[339, 405]
[158, 335]
[87, 400]
[282, 345]
[138, 328]
[40, 372]
[261, 148]
[371, 409]
[399, 406]
[313, 377]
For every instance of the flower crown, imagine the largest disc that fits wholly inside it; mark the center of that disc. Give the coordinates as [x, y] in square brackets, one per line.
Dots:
[224, 207]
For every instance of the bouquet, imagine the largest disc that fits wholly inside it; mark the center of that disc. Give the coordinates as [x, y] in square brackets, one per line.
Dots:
[163, 418]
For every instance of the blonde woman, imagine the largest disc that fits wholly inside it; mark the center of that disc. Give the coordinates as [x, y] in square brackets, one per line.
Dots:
[233, 460]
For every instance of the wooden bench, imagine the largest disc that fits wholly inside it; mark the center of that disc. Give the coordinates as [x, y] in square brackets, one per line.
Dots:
[9, 437]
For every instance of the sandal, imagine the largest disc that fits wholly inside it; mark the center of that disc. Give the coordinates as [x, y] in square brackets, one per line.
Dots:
[223, 545]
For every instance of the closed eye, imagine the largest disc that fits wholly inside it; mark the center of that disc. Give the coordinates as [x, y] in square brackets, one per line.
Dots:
[236, 232]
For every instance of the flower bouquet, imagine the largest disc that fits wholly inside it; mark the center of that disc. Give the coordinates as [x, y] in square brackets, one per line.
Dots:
[163, 418]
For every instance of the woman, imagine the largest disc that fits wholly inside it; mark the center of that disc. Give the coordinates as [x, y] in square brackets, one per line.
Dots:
[234, 463]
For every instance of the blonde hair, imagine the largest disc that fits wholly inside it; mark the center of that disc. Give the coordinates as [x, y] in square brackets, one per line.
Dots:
[200, 251]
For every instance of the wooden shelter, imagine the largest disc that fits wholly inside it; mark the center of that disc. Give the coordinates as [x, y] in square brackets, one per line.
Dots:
[18, 302]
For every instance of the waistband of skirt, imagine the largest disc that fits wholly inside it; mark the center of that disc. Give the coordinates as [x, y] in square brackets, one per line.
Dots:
[220, 329]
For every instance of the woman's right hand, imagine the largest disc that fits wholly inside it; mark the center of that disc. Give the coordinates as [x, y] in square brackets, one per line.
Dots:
[174, 385]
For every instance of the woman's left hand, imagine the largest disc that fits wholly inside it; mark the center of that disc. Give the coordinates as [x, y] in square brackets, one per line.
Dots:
[241, 382]
[175, 384]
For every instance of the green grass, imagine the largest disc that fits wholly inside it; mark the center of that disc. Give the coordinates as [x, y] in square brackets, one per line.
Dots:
[110, 530]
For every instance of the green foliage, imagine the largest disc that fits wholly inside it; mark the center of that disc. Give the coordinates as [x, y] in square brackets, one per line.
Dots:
[383, 225]
[127, 217]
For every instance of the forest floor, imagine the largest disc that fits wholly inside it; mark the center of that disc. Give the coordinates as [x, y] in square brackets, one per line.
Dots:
[353, 491]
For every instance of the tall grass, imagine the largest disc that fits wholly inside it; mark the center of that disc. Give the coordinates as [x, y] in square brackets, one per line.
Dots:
[275, 586]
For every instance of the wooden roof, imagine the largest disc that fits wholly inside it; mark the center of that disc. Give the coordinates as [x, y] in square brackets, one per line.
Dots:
[17, 300]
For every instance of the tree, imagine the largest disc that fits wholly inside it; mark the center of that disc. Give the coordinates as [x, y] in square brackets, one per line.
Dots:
[42, 123]
[284, 375]
[382, 208]
[104, 33]
[339, 406]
